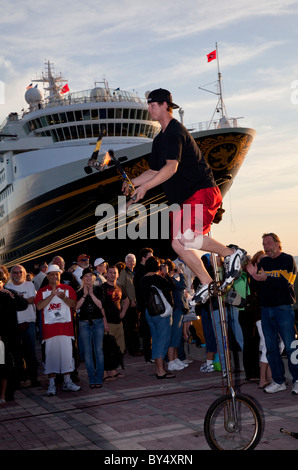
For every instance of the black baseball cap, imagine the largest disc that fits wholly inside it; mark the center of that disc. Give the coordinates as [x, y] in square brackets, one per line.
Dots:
[160, 95]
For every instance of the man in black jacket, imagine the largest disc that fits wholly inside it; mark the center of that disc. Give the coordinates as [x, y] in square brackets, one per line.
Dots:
[274, 279]
[10, 303]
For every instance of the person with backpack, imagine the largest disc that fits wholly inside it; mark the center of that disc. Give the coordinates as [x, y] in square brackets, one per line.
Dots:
[160, 325]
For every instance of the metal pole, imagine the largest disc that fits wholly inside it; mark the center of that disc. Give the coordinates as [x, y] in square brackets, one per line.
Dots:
[223, 324]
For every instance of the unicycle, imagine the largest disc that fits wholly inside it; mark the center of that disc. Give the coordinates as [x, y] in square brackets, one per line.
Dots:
[233, 421]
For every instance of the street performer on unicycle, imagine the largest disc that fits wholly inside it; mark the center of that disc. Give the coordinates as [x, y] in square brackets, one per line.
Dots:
[177, 163]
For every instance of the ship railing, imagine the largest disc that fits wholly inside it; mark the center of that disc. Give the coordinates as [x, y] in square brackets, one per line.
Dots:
[95, 95]
[214, 124]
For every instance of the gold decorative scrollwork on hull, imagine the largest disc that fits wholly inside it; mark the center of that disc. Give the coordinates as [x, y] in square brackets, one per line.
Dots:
[141, 166]
[225, 152]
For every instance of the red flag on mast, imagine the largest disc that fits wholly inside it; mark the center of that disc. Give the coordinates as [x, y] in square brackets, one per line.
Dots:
[211, 56]
[64, 89]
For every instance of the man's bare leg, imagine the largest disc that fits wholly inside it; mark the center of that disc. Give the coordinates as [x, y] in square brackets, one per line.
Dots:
[192, 257]
[189, 251]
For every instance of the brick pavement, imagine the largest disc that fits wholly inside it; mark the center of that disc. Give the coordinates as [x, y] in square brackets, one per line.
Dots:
[137, 412]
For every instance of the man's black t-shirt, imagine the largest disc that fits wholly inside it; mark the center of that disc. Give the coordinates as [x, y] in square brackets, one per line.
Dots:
[278, 289]
[193, 172]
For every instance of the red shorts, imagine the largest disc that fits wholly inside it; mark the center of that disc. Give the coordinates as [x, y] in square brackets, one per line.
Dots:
[197, 212]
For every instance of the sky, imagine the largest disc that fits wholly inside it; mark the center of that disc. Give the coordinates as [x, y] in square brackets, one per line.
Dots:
[141, 45]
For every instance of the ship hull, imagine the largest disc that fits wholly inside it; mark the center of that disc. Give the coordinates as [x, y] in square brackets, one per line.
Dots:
[63, 220]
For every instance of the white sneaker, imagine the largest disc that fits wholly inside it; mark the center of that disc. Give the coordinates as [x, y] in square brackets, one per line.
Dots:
[70, 387]
[295, 388]
[172, 365]
[201, 296]
[274, 388]
[180, 363]
[187, 361]
[207, 368]
[51, 392]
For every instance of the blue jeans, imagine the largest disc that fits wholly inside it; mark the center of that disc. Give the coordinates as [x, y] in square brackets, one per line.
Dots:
[279, 321]
[92, 339]
[221, 344]
[28, 339]
[161, 334]
[176, 332]
[233, 320]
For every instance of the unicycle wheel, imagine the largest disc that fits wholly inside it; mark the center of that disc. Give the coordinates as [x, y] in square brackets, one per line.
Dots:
[233, 423]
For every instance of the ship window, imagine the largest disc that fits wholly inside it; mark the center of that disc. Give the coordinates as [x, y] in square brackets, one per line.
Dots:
[78, 115]
[111, 129]
[63, 118]
[124, 129]
[118, 129]
[132, 113]
[145, 115]
[50, 120]
[111, 113]
[86, 114]
[67, 133]
[56, 118]
[139, 114]
[118, 113]
[131, 129]
[43, 121]
[137, 129]
[26, 128]
[73, 131]
[38, 123]
[103, 129]
[60, 134]
[70, 116]
[54, 135]
[103, 113]
[81, 132]
[32, 125]
[95, 128]
[142, 129]
[94, 113]
[125, 113]
[88, 130]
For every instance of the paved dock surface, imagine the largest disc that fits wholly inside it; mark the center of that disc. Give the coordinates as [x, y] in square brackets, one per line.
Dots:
[136, 413]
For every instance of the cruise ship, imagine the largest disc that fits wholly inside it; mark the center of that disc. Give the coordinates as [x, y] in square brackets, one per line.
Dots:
[53, 173]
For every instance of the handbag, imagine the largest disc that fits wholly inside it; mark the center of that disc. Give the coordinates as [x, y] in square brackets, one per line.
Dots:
[158, 304]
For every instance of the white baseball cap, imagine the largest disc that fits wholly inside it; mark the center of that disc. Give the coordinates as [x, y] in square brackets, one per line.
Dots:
[54, 268]
[98, 261]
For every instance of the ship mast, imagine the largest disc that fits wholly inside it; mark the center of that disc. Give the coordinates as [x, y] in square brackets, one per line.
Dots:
[54, 84]
[220, 107]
